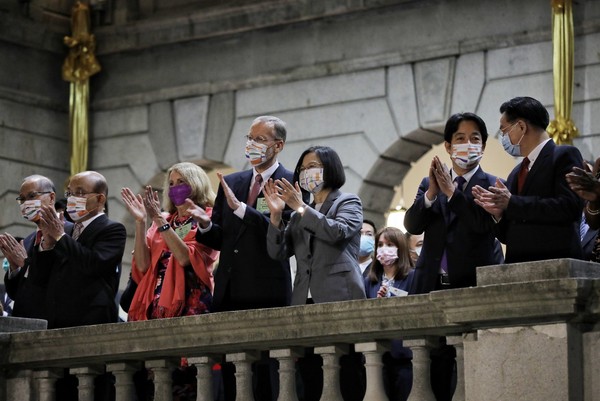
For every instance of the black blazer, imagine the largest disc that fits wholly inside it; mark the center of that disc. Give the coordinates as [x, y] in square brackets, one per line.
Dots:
[543, 221]
[84, 275]
[460, 227]
[28, 288]
[246, 277]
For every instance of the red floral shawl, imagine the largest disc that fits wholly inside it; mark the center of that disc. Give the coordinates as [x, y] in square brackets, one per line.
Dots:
[172, 296]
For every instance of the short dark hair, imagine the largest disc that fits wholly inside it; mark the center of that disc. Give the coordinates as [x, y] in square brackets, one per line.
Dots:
[370, 222]
[333, 169]
[455, 120]
[526, 108]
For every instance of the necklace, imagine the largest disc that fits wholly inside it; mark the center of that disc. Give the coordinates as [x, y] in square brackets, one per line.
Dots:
[182, 227]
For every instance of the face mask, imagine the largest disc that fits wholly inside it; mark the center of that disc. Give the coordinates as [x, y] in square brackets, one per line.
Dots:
[256, 152]
[418, 250]
[513, 150]
[179, 193]
[387, 255]
[367, 244]
[5, 264]
[30, 209]
[311, 179]
[76, 207]
[466, 155]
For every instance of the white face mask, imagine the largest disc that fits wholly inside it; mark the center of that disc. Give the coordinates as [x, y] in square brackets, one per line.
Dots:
[311, 179]
[256, 152]
[466, 155]
[387, 255]
[30, 209]
[76, 207]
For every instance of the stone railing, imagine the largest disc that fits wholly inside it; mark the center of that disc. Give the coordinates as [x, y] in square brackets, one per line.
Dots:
[527, 332]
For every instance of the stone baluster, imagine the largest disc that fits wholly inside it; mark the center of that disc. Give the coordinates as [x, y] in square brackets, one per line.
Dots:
[331, 370]
[421, 388]
[243, 373]
[85, 377]
[124, 385]
[287, 372]
[457, 342]
[373, 352]
[163, 384]
[204, 377]
[45, 380]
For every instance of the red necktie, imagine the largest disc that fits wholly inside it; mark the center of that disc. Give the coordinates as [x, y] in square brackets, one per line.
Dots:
[38, 238]
[255, 190]
[522, 175]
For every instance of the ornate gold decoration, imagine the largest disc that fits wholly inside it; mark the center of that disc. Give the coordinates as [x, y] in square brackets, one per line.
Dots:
[562, 129]
[78, 67]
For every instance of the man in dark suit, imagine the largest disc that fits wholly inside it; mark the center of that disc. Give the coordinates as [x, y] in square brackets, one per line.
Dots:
[27, 278]
[537, 214]
[247, 277]
[84, 274]
[367, 245]
[458, 233]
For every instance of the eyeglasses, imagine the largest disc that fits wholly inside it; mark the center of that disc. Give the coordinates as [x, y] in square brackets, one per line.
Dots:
[261, 139]
[509, 128]
[311, 165]
[79, 194]
[31, 196]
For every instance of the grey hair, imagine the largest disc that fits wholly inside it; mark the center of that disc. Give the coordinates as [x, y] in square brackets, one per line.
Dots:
[277, 124]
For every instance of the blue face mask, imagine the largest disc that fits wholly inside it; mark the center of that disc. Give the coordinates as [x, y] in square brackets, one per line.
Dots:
[367, 245]
[513, 150]
[5, 264]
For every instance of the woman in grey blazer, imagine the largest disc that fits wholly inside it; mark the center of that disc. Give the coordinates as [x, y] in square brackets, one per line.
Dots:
[324, 236]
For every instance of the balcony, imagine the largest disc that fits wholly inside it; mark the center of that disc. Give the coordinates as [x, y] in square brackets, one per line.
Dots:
[528, 331]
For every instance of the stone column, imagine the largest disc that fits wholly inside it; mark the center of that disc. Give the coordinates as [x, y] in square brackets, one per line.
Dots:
[331, 370]
[123, 372]
[163, 385]
[457, 342]
[421, 388]
[85, 377]
[44, 384]
[204, 377]
[243, 373]
[287, 372]
[373, 353]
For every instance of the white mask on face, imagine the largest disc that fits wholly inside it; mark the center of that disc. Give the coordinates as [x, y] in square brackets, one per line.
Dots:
[76, 207]
[466, 155]
[256, 152]
[387, 255]
[311, 179]
[30, 209]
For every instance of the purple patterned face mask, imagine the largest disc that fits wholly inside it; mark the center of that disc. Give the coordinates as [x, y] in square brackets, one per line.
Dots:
[179, 193]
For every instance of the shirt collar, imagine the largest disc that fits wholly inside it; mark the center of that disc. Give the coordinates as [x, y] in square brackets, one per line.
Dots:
[265, 174]
[533, 155]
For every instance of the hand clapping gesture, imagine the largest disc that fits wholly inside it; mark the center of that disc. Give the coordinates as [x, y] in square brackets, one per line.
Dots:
[134, 204]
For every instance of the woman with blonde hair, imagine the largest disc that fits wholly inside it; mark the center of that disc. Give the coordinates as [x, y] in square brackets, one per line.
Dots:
[173, 271]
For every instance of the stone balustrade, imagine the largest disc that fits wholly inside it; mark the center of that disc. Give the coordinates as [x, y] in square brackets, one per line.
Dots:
[528, 331]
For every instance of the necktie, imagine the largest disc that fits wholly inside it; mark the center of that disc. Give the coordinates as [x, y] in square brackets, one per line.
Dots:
[522, 175]
[77, 231]
[255, 190]
[459, 181]
[38, 238]
[583, 228]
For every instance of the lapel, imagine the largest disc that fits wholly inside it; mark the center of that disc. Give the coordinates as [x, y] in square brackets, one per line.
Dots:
[331, 198]
[543, 160]
[90, 230]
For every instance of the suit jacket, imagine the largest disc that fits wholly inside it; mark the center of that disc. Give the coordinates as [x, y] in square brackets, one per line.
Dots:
[246, 277]
[84, 275]
[326, 246]
[543, 221]
[28, 288]
[458, 226]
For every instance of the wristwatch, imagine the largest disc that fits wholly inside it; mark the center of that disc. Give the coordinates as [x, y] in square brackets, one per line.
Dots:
[164, 227]
[301, 210]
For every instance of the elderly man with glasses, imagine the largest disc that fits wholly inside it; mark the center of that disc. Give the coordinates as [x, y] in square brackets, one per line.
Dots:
[26, 279]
